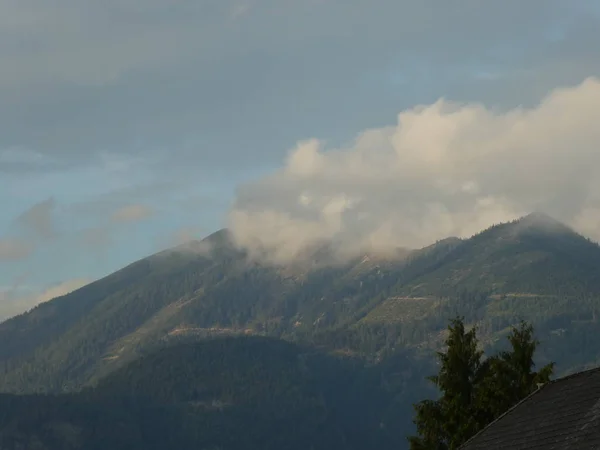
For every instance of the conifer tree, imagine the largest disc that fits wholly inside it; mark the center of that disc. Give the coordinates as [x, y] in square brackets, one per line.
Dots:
[473, 390]
[510, 375]
[450, 420]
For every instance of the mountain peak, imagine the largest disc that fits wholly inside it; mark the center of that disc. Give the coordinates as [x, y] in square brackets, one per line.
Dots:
[222, 237]
[542, 222]
[538, 217]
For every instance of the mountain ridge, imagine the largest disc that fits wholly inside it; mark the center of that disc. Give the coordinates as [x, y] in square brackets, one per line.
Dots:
[367, 305]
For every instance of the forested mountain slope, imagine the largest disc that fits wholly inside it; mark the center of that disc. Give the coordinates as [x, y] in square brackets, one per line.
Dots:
[227, 393]
[535, 269]
[535, 255]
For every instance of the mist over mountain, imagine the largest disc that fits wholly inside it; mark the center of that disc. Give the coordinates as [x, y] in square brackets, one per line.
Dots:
[443, 169]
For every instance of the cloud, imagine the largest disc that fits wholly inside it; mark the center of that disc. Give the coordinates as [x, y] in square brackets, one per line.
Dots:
[101, 97]
[39, 219]
[445, 169]
[167, 74]
[132, 213]
[18, 299]
[13, 249]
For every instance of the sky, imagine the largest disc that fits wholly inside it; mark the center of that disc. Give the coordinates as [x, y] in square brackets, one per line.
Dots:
[129, 126]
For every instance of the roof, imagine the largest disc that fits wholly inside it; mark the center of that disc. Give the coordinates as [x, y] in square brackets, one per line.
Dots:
[562, 415]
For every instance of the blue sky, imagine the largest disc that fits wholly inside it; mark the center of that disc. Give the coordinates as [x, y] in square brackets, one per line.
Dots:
[127, 126]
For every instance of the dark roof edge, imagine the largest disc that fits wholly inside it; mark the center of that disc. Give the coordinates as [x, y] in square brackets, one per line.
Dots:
[507, 412]
[575, 374]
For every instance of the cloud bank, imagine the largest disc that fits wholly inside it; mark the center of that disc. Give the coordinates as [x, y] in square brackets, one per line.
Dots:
[445, 169]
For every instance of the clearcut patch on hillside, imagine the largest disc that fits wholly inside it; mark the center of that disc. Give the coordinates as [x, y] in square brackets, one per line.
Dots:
[401, 309]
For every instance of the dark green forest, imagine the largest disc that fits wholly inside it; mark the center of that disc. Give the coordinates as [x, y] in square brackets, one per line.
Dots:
[228, 393]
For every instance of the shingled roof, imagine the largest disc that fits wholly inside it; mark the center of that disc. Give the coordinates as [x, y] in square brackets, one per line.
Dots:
[562, 415]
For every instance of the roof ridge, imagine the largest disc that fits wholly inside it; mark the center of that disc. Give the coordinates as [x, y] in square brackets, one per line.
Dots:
[505, 413]
[575, 374]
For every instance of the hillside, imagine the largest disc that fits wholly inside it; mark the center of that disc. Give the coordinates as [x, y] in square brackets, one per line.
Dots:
[535, 255]
[227, 393]
[534, 268]
[174, 295]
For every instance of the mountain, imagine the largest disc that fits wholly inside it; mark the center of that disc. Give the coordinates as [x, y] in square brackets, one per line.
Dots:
[62, 344]
[226, 393]
[521, 269]
[536, 255]
[368, 309]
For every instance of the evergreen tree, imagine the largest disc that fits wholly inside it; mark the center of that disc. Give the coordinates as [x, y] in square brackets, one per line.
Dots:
[453, 418]
[475, 391]
[510, 375]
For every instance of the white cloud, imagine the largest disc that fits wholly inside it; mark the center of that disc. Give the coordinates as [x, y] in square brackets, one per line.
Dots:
[444, 169]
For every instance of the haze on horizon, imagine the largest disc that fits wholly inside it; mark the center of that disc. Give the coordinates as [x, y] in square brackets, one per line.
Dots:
[128, 127]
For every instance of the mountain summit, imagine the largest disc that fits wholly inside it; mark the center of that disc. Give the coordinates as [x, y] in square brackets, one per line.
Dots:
[544, 223]
[535, 254]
